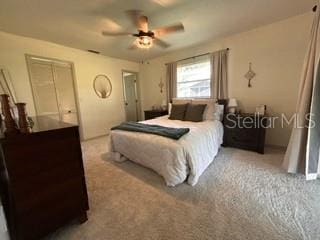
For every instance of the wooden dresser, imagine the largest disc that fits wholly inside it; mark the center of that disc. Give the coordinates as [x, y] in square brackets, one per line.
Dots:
[245, 131]
[42, 179]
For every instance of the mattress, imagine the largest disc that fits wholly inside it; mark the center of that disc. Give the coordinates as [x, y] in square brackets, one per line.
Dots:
[175, 160]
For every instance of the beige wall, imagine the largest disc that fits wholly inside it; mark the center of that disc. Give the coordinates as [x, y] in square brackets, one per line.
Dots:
[276, 51]
[97, 115]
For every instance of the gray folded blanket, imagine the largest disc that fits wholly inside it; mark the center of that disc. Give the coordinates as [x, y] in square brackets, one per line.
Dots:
[173, 133]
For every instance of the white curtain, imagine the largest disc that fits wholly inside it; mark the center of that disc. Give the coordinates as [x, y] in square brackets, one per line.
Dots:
[171, 81]
[303, 150]
[219, 76]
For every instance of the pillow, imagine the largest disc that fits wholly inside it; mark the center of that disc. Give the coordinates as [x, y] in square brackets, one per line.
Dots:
[194, 112]
[210, 109]
[218, 114]
[178, 111]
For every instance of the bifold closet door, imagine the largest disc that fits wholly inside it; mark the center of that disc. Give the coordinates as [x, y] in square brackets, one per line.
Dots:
[53, 89]
[65, 92]
[44, 93]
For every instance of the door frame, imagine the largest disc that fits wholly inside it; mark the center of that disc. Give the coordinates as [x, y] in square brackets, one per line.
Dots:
[29, 57]
[137, 92]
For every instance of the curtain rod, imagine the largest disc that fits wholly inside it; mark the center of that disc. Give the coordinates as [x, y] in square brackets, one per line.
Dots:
[315, 8]
[194, 56]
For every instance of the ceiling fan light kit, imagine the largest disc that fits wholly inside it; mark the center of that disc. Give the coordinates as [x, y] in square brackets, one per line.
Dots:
[145, 37]
[145, 42]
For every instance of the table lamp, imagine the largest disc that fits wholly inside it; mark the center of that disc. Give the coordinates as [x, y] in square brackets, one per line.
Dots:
[232, 105]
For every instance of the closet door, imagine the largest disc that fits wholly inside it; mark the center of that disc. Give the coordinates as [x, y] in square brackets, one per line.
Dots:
[44, 92]
[53, 88]
[65, 92]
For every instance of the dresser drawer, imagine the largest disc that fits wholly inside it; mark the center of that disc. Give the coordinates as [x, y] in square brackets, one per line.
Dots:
[50, 178]
[56, 151]
[71, 189]
[245, 132]
[51, 207]
[242, 137]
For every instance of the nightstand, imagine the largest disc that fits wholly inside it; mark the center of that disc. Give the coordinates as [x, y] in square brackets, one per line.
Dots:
[245, 131]
[150, 114]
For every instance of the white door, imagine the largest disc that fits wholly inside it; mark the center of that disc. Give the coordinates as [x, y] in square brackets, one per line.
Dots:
[131, 96]
[44, 92]
[65, 93]
[53, 89]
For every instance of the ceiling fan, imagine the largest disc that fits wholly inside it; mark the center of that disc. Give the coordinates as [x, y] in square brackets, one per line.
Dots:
[145, 37]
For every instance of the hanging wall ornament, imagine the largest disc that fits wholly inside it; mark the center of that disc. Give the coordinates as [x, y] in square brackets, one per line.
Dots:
[250, 75]
[161, 85]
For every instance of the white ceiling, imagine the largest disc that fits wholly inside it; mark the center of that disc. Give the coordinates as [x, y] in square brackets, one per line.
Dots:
[78, 23]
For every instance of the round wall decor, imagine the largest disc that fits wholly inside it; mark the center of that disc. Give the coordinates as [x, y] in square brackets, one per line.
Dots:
[102, 86]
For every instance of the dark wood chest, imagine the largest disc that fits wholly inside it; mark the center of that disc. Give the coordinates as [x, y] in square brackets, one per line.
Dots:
[42, 179]
[245, 131]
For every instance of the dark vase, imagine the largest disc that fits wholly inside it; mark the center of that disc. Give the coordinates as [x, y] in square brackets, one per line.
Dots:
[10, 124]
[23, 118]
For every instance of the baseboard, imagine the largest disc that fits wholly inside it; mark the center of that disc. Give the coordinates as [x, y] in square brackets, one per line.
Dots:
[276, 147]
[92, 138]
[312, 176]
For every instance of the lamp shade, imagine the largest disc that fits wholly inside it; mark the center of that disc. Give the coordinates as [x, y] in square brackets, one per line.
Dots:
[232, 102]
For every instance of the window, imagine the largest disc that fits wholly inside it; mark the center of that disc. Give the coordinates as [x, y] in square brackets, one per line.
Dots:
[193, 78]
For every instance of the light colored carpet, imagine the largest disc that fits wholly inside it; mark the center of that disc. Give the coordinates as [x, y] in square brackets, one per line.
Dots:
[242, 195]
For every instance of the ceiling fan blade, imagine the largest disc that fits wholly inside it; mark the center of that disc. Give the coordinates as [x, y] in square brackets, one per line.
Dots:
[169, 29]
[143, 22]
[134, 16]
[139, 21]
[107, 33]
[161, 43]
[165, 3]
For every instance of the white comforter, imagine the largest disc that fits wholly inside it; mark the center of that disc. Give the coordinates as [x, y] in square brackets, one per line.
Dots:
[175, 160]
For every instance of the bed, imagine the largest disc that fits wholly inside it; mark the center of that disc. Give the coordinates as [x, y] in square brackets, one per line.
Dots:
[176, 161]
